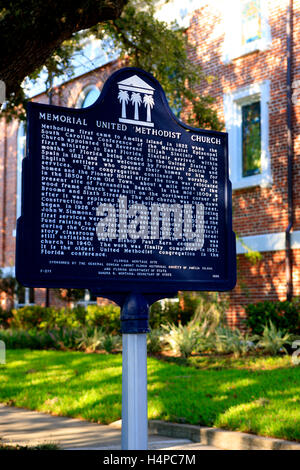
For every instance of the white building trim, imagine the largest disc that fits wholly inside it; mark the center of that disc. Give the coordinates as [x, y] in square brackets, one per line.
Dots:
[84, 93]
[21, 145]
[233, 103]
[260, 243]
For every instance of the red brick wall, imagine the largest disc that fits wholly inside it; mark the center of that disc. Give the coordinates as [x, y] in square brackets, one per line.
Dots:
[257, 210]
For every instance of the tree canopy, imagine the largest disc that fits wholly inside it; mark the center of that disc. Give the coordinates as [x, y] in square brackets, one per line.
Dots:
[31, 30]
[45, 34]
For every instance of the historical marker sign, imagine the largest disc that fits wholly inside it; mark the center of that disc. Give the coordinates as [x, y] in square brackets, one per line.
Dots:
[122, 196]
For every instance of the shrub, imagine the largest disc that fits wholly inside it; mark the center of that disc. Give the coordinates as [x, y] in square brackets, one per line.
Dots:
[154, 341]
[36, 316]
[189, 305]
[273, 340]
[5, 318]
[156, 315]
[104, 316]
[284, 316]
[29, 339]
[167, 311]
[63, 318]
[30, 316]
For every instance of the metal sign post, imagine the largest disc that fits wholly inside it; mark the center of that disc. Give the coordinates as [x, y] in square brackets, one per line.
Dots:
[134, 326]
[134, 392]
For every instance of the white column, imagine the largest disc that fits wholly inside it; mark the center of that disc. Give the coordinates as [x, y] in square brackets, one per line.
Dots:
[134, 392]
[27, 294]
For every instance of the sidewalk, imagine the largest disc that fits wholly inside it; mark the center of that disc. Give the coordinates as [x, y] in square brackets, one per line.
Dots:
[25, 427]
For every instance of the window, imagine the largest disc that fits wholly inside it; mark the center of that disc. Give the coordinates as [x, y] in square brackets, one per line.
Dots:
[251, 21]
[246, 28]
[24, 296]
[246, 118]
[88, 96]
[251, 139]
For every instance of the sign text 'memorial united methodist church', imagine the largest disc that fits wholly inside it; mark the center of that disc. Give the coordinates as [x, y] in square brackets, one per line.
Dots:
[123, 196]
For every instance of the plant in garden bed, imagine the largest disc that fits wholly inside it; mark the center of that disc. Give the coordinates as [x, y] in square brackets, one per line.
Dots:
[273, 341]
[229, 340]
[155, 340]
[182, 339]
[96, 339]
[36, 316]
[64, 338]
[90, 339]
[210, 310]
[5, 318]
[111, 343]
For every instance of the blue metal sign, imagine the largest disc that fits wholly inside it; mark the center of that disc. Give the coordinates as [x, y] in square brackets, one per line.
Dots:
[123, 197]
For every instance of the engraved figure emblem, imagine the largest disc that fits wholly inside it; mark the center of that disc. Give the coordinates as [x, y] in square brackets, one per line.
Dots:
[135, 91]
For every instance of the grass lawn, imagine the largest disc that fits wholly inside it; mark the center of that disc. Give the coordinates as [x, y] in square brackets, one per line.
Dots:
[259, 395]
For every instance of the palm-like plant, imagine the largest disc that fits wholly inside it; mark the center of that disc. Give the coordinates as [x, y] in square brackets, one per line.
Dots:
[273, 340]
[136, 99]
[149, 103]
[91, 339]
[123, 98]
[111, 342]
[183, 339]
[229, 340]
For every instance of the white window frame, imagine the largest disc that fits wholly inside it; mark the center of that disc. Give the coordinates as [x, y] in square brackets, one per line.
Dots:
[21, 152]
[233, 47]
[86, 300]
[26, 299]
[233, 103]
[83, 94]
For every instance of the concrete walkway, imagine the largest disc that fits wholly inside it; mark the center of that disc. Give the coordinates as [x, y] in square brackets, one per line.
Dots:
[25, 427]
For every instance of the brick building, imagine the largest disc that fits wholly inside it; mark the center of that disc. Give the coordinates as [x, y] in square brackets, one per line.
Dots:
[244, 46]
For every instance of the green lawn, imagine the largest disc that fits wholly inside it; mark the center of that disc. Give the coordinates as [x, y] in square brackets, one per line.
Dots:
[259, 395]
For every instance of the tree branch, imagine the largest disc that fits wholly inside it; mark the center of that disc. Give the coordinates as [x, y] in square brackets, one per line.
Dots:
[30, 30]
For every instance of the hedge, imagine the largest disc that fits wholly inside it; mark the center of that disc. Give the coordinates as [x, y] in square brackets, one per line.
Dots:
[285, 315]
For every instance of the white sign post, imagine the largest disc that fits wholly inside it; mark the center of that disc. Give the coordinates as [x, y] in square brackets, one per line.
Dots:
[134, 392]
[134, 325]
